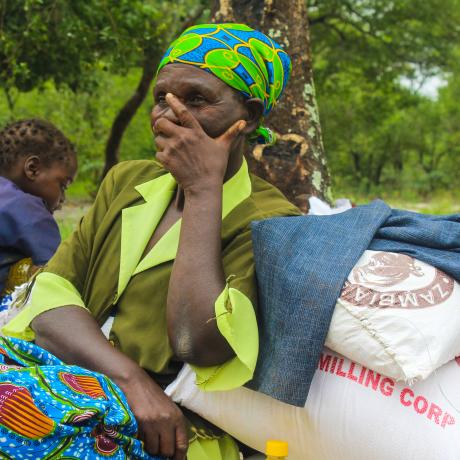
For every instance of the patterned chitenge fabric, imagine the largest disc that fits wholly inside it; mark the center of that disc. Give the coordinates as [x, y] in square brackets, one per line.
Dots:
[245, 59]
[50, 410]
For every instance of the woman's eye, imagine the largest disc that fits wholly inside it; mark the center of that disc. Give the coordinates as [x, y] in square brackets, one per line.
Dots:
[197, 99]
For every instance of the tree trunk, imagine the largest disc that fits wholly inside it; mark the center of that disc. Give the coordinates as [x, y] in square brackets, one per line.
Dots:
[126, 114]
[296, 164]
[10, 101]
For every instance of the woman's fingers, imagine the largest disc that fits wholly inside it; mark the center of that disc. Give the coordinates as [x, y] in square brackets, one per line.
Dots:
[167, 441]
[160, 143]
[185, 117]
[181, 442]
[230, 135]
[158, 417]
[152, 442]
[165, 127]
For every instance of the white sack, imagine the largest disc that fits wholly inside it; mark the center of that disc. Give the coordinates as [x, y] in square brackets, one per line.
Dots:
[398, 316]
[351, 413]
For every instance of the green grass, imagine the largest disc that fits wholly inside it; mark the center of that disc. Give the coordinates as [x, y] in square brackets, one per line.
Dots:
[440, 202]
[81, 189]
[69, 216]
[65, 228]
[79, 197]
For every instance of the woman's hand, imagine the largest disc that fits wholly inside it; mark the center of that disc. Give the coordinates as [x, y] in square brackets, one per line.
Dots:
[193, 158]
[161, 423]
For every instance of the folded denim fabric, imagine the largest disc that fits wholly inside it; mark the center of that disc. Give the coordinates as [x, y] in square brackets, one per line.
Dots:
[434, 240]
[302, 264]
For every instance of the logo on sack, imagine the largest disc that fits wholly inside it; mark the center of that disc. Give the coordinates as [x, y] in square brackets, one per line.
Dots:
[387, 269]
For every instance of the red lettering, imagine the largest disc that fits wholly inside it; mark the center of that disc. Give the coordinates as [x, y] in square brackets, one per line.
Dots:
[375, 379]
[387, 300]
[324, 362]
[447, 420]
[334, 363]
[350, 372]
[408, 298]
[374, 298]
[429, 297]
[417, 400]
[434, 411]
[387, 386]
[361, 375]
[339, 372]
[421, 406]
[360, 294]
[443, 293]
[402, 397]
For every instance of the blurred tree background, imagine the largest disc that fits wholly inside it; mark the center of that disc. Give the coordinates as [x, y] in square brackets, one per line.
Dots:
[387, 76]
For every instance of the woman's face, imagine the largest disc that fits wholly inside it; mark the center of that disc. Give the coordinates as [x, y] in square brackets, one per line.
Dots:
[213, 103]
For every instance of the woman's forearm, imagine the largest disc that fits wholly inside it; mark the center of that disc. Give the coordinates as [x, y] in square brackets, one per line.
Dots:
[73, 335]
[197, 280]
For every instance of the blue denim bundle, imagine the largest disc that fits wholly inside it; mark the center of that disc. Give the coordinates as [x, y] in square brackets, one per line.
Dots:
[302, 264]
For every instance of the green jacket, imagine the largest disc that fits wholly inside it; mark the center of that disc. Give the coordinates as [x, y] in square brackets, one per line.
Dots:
[100, 268]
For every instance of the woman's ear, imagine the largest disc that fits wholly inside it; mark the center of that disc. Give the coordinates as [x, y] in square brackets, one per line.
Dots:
[32, 166]
[255, 108]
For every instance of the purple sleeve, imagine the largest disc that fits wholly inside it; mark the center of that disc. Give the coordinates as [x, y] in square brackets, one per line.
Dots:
[30, 228]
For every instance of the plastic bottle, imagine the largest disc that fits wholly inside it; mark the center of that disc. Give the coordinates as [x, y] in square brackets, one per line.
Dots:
[276, 450]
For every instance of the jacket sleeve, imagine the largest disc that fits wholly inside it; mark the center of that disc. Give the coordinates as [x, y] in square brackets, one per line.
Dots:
[235, 311]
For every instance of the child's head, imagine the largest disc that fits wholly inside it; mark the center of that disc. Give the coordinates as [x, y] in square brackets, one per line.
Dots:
[39, 159]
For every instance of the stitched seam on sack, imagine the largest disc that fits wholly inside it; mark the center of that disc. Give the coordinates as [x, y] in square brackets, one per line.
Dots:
[366, 324]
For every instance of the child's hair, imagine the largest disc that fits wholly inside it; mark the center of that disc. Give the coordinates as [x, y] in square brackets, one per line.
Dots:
[33, 137]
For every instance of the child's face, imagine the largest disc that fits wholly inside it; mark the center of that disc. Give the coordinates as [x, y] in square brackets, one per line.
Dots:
[51, 182]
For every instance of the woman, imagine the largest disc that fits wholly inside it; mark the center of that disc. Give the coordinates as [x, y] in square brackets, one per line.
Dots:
[166, 247]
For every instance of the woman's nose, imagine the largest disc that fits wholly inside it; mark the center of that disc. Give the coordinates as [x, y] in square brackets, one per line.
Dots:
[169, 114]
[163, 110]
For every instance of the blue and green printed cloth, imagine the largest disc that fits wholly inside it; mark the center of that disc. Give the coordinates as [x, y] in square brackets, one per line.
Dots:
[245, 59]
[49, 410]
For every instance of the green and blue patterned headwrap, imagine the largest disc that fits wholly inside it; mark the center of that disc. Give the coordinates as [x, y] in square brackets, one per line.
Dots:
[245, 59]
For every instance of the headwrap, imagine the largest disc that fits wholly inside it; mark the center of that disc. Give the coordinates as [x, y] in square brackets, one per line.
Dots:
[245, 59]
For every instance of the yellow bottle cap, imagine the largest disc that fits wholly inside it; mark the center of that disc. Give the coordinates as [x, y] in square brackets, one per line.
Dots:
[276, 448]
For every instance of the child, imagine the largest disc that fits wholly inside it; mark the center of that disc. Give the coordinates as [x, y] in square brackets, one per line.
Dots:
[37, 163]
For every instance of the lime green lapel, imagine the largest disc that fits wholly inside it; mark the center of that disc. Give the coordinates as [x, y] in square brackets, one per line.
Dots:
[138, 223]
[236, 190]
[164, 250]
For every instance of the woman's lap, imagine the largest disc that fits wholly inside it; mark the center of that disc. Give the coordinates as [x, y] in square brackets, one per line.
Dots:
[52, 410]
